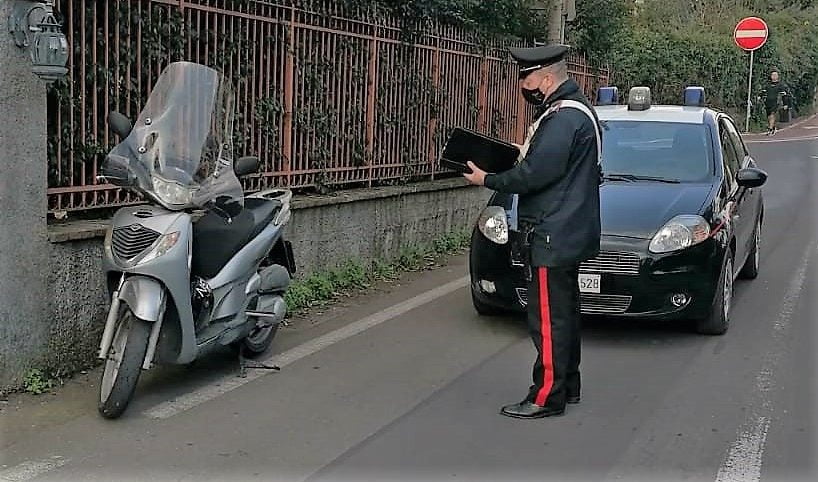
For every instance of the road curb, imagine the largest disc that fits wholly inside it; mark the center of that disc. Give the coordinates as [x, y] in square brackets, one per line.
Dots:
[783, 129]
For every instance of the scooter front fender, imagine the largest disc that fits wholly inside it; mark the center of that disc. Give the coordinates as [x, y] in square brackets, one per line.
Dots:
[144, 296]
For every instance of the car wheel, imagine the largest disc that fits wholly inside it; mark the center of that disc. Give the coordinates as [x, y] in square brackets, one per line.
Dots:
[717, 322]
[750, 269]
[484, 309]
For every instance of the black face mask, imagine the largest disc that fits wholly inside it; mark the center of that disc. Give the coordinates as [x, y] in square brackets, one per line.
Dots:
[534, 96]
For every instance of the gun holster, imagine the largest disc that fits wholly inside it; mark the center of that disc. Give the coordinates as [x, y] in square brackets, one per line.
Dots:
[527, 230]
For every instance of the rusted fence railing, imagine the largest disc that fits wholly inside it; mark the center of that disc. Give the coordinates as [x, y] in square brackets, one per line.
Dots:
[326, 98]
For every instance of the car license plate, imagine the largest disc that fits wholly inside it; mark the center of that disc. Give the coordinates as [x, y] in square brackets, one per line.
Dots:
[590, 283]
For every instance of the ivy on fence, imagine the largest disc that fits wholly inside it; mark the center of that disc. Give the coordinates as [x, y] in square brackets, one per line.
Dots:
[330, 94]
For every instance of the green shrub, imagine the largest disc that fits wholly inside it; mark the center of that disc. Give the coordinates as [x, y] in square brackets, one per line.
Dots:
[352, 275]
[671, 45]
[37, 382]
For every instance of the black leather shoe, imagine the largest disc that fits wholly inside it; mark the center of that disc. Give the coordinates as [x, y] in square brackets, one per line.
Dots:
[529, 410]
[573, 400]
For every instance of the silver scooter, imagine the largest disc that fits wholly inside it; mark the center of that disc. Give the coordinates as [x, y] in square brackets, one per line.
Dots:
[200, 266]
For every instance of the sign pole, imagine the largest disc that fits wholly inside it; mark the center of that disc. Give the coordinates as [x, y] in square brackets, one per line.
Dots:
[750, 35]
[749, 93]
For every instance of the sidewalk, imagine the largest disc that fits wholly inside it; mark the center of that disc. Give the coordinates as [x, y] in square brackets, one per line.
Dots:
[805, 128]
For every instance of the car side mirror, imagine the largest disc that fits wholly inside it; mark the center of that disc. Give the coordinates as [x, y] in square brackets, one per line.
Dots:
[120, 124]
[751, 177]
[246, 165]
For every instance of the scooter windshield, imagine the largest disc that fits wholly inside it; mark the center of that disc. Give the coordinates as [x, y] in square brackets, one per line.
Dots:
[180, 149]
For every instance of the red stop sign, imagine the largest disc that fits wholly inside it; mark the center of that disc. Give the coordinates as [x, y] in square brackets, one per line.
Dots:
[751, 33]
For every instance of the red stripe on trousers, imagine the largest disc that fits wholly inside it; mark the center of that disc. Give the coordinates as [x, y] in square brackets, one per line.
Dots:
[545, 331]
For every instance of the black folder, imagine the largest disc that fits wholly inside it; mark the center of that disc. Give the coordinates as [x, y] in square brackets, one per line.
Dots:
[489, 154]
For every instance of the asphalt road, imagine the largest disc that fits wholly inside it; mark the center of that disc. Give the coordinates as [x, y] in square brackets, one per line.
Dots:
[406, 384]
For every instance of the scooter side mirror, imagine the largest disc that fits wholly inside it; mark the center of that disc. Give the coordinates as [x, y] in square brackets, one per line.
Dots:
[120, 124]
[116, 170]
[246, 165]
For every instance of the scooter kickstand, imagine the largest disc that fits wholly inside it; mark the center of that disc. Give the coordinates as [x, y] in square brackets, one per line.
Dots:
[244, 365]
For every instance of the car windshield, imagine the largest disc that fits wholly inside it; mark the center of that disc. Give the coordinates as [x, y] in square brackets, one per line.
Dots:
[668, 151]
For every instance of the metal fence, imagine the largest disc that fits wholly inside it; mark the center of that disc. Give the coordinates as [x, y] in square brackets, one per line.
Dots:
[327, 98]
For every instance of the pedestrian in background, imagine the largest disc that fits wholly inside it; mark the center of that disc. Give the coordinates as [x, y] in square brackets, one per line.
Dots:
[775, 95]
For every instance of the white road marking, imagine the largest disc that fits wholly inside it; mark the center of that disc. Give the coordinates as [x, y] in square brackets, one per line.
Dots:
[31, 469]
[218, 388]
[794, 139]
[743, 463]
[744, 460]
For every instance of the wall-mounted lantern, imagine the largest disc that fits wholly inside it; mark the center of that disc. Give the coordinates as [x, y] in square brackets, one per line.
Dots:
[33, 26]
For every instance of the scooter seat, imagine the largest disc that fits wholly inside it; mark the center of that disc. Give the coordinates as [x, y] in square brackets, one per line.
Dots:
[215, 241]
[263, 211]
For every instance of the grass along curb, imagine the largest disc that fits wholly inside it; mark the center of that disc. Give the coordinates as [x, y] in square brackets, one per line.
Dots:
[323, 287]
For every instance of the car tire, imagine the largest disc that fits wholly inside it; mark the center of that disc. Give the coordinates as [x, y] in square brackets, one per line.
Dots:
[751, 266]
[484, 309]
[718, 320]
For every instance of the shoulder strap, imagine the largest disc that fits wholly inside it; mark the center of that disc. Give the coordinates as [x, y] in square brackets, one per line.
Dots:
[585, 110]
[554, 108]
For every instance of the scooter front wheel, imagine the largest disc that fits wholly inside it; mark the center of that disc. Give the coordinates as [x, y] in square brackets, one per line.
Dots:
[123, 364]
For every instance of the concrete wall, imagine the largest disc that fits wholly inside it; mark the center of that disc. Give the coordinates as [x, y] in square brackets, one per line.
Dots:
[377, 223]
[362, 224]
[23, 238]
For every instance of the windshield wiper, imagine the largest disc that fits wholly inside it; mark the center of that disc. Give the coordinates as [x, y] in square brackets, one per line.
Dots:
[635, 178]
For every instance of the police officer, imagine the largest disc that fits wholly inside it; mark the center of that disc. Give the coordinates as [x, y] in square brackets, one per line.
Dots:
[557, 178]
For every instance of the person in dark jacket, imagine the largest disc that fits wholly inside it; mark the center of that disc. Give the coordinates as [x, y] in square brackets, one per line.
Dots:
[557, 177]
[774, 97]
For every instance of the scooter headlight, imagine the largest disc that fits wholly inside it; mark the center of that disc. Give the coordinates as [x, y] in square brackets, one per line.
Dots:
[493, 223]
[164, 244]
[171, 192]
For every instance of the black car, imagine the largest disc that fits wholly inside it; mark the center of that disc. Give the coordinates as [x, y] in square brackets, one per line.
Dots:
[682, 214]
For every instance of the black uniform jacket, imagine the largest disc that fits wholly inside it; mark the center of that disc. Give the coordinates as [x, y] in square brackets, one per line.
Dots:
[558, 183]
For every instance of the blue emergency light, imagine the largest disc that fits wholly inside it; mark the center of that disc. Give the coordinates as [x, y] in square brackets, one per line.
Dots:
[694, 97]
[607, 96]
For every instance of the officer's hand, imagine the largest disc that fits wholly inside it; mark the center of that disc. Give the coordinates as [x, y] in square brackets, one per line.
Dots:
[477, 176]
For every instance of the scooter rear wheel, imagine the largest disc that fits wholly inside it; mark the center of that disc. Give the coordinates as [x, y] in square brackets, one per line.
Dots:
[259, 340]
[124, 364]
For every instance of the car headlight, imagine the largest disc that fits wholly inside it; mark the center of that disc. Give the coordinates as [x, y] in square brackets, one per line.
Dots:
[494, 224]
[680, 233]
[171, 192]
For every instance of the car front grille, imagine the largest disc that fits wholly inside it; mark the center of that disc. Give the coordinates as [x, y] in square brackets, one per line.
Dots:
[131, 241]
[610, 262]
[592, 304]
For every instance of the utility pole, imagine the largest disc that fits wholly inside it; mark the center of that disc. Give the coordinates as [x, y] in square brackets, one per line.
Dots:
[556, 25]
[559, 12]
